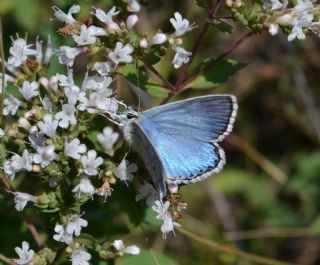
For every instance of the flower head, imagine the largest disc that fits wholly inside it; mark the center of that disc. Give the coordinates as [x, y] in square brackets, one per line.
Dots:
[88, 35]
[67, 18]
[11, 105]
[107, 138]
[147, 191]
[62, 235]
[45, 155]
[48, 126]
[29, 89]
[75, 225]
[181, 25]
[80, 257]
[181, 57]
[68, 54]
[84, 187]
[66, 116]
[91, 162]
[122, 249]
[121, 54]
[21, 199]
[19, 52]
[74, 149]
[18, 163]
[125, 170]
[25, 254]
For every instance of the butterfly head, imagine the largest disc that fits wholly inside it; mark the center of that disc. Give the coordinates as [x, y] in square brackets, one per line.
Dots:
[127, 116]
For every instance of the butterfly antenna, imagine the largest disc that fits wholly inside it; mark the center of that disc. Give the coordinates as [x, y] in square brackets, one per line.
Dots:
[138, 86]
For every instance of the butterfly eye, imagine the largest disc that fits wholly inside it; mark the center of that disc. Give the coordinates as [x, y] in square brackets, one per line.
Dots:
[131, 115]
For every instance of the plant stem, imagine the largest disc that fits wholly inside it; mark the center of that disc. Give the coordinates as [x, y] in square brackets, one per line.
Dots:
[211, 15]
[3, 72]
[231, 250]
[166, 83]
[7, 260]
[215, 60]
[33, 230]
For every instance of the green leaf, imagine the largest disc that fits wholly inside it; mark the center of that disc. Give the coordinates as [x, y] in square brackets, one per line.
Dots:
[146, 84]
[203, 3]
[147, 257]
[218, 74]
[222, 25]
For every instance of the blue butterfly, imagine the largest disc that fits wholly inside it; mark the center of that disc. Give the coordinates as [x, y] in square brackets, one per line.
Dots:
[179, 141]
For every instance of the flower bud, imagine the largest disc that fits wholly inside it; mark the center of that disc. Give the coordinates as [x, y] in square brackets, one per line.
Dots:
[36, 168]
[133, 6]
[24, 123]
[143, 43]
[33, 129]
[131, 21]
[44, 81]
[159, 38]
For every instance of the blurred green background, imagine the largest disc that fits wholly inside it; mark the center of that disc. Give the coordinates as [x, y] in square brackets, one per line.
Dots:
[266, 200]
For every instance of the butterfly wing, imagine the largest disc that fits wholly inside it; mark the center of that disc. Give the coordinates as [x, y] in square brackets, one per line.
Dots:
[184, 136]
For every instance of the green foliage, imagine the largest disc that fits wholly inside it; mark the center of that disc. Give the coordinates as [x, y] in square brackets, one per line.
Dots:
[216, 75]
[147, 257]
[130, 72]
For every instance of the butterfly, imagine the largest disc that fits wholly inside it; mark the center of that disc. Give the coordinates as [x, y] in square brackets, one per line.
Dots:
[179, 141]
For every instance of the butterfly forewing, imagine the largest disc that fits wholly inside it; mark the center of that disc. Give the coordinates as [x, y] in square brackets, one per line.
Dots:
[184, 136]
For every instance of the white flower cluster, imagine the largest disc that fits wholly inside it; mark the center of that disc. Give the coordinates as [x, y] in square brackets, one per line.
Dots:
[299, 18]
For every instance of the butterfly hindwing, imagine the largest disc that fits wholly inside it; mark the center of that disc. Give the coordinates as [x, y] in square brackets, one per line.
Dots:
[184, 136]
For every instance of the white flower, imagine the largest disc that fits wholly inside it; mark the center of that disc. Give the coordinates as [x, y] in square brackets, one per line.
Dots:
[143, 43]
[159, 38]
[45, 155]
[48, 126]
[125, 170]
[98, 83]
[84, 187]
[7, 78]
[61, 235]
[147, 191]
[107, 138]
[49, 51]
[67, 18]
[18, 163]
[88, 35]
[19, 52]
[37, 140]
[273, 29]
[11, 105]
[1, 133]
[47, 104]
[66, 116]
[181, 25]
[122, 249]
[163, 214]
[74, 94]
[275, 4]
[68, 54]
[75, 225]
[101, 100]
[103, 17]
[25, 254]
[29, 90]
[181, 57]
[121, 54]
[131, 21]
[74, 148]
[91, 162]
[21, 199]
[103, 68]
[133, 6]
[79, 257]
[297, 32]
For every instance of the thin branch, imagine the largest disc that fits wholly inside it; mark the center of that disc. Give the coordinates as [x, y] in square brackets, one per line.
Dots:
[272, 233]
[3, 70]
[231, 250]
[34, 232]
[216, 60]
[212, 13]
[7, 260]
[166, 83]
[275, 172]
